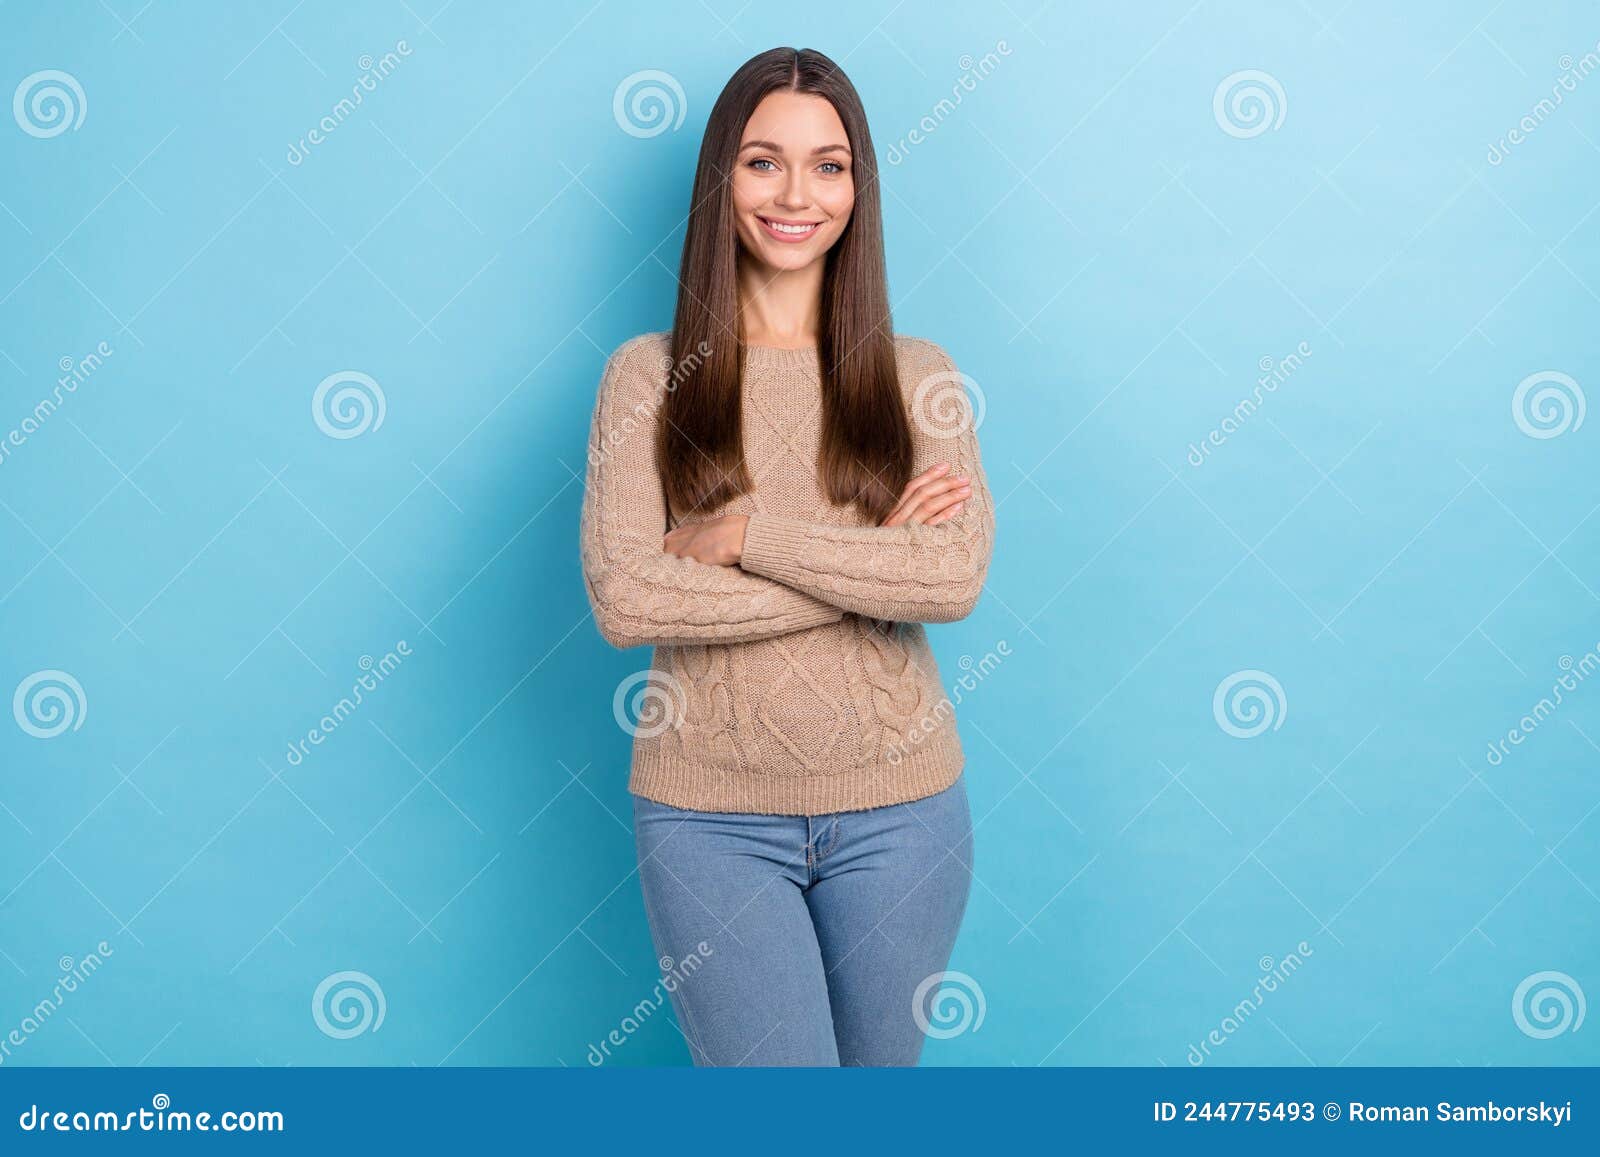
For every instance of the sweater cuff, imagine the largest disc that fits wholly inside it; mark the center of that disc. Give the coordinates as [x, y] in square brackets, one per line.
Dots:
[772, 547]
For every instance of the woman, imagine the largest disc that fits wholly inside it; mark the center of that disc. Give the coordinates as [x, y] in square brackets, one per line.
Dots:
[780, 492]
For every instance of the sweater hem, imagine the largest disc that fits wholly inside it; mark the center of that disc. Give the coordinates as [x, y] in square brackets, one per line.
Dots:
[692, 786]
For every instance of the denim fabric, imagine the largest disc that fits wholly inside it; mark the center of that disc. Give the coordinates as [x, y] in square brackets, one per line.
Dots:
[794, 940]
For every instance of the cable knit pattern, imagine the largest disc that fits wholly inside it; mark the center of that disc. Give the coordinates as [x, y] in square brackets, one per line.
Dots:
[799, 682]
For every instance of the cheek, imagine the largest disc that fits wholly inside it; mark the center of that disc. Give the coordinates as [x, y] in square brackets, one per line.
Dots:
[747, 194]
[839, 201]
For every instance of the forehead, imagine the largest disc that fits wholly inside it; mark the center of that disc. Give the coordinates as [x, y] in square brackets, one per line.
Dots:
[797, 120]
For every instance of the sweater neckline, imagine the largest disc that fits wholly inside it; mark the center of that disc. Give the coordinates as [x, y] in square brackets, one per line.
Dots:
[781, 357]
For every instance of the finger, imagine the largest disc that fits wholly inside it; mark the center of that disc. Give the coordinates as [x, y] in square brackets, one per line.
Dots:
[921, 480]
[946, 516]
[932, 503]
[939, 486]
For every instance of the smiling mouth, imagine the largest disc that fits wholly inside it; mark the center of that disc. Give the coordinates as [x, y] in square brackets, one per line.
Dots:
[788, 230]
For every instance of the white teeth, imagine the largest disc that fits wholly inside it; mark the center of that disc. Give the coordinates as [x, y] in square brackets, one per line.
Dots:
[790, 228]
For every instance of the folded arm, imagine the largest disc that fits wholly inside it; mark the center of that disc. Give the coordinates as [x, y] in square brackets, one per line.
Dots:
[909, 573]
[641, 594]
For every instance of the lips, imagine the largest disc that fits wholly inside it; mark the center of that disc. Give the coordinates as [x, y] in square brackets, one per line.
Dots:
[791, 232]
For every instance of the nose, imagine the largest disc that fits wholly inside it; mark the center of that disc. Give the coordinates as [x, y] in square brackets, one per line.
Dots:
[792, 194]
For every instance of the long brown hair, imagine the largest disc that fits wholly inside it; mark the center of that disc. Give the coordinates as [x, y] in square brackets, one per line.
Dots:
[866, 453]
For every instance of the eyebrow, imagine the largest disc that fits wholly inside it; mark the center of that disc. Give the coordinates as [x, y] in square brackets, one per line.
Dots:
[773, 146]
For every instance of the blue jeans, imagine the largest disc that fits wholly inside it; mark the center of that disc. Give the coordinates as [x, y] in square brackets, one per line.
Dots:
[787, 940]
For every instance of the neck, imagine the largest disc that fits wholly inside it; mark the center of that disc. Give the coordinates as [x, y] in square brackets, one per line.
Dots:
[782, 308]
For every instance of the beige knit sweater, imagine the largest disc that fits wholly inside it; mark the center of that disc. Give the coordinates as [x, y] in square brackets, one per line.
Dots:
[799, 682]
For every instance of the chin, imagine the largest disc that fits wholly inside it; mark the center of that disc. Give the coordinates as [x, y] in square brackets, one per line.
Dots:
[788, 260]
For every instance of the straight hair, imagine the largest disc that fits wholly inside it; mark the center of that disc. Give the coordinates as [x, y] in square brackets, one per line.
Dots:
[865, 453]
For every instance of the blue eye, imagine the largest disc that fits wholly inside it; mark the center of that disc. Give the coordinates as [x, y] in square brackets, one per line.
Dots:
[834, 165]
[760, 161]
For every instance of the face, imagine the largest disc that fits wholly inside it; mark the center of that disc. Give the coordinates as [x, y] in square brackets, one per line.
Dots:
[793, 181]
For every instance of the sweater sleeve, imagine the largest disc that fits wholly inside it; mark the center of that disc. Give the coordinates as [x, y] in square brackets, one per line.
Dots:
[640, 593]
[907, 573]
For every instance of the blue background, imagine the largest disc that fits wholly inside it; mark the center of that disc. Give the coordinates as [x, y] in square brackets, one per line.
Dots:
[1106, 261]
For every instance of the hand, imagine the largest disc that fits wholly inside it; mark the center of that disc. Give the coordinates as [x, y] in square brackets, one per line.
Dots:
[931, 497]
[715, 542]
